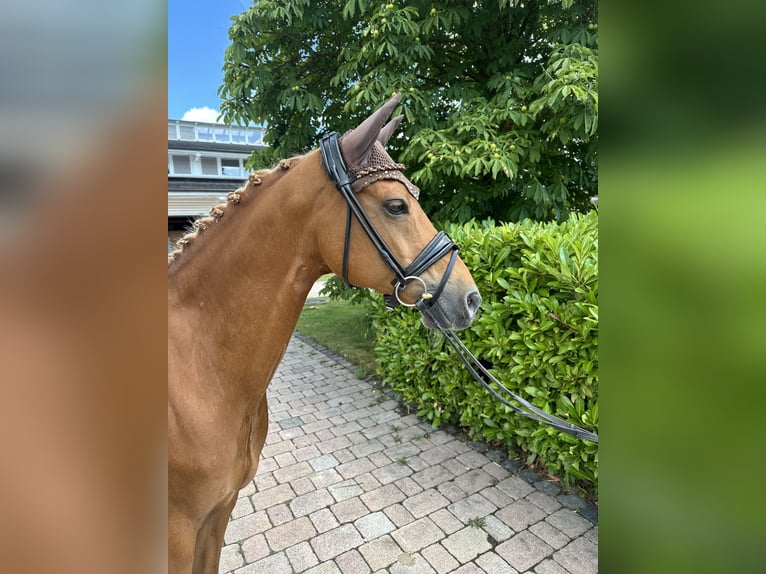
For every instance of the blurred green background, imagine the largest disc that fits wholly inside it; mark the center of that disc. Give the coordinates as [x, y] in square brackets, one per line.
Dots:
[683, 278]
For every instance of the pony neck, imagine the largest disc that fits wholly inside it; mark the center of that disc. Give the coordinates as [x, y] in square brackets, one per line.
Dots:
[241, 284]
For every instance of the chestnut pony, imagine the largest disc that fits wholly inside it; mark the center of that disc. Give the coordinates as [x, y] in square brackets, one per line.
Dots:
[235, 289]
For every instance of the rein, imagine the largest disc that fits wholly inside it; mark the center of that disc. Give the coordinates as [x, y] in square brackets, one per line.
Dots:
[438, 247]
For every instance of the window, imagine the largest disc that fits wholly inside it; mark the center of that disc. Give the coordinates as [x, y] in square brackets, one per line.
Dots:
[231, 167]
[182, 164]
[209, 166]
[237, 136]
[255, 137]
[187, 133]
[204, 134]
[221, 135]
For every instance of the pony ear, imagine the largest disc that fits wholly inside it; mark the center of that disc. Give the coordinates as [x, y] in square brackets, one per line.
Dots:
[357, 144]
[388, 130]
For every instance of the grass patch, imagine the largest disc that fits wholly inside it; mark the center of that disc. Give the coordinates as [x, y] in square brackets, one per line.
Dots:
[341, 327]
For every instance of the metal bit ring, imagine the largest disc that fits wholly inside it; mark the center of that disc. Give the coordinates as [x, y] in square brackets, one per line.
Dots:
[399, 287]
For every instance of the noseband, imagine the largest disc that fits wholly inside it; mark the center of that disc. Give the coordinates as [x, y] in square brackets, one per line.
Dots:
[437, 248]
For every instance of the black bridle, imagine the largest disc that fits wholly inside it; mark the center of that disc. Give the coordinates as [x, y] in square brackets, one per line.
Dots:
[436, 249]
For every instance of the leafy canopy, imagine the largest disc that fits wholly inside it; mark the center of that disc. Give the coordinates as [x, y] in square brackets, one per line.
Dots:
[500, 98]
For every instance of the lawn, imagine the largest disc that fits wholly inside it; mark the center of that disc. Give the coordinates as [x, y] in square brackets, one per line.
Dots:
[342, 328]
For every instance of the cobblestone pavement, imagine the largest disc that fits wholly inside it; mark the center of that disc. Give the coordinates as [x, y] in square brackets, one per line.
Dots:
[347, 484]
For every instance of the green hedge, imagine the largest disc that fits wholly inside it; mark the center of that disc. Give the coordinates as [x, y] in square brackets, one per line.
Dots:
[537, 329]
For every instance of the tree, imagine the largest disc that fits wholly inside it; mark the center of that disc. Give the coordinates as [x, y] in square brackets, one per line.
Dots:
[500, 98]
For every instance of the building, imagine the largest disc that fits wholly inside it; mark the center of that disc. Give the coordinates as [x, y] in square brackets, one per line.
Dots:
[205, 162]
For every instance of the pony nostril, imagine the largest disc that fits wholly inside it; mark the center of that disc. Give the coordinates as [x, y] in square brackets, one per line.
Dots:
[473, 301]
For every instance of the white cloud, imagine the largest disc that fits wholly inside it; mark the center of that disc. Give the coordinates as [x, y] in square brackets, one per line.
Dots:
[203, 114]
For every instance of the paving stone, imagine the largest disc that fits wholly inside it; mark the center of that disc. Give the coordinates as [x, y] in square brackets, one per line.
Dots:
[572, 501]
[496, 496]
[367, 482]
[308, 503]
[408, 486]
[520, 515]
[416, 535]
[366, 448]
[323, 520]
[550, 535]
[279, 514]
[323, 462]
[408, 563]
[302, 485]
[391, 472]
[470, 568]
[445, 520]
[344, 490]
[474, 480]
[380, 552]
[336, 541]
[325, 568]
[515, 487]
[242, 507]
[382, 497]
[549, 487]
[432, 476]
[473, 459]
[379, 459]
[543, 501]
[437, 454]
[467, 544]
[451, 491]
[399, 515]
[307, 453]
[425, 503]
[497, 530]
[349, 510]
[324, 478]
[255, 548]
[266, 498]
[496, 471]
[247, 490]
[491, 563]
[439, 559]
[374, 525]
[578, 557]
[290, 533]
[352, 562]
[569, 522]
[524, 550]
[456, 467]
[301, 557]
[285, 459]
[355, 468]
[549, 567]
[475, 506]
[269, 565]
[244, 527]
[292, 472]
[590, 513]
[231, 558]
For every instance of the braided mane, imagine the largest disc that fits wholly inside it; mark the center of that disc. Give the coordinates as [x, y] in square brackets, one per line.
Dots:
[256, 179]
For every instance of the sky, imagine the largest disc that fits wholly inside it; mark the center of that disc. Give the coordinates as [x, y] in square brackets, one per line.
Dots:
[197, 39]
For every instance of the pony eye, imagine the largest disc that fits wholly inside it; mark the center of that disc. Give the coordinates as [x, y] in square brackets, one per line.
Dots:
[396, 207]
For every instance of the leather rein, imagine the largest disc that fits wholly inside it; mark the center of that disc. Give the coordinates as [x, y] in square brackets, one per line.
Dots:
[436, 249]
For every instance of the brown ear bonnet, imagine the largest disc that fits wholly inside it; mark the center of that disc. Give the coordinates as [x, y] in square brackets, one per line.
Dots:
[366, 159]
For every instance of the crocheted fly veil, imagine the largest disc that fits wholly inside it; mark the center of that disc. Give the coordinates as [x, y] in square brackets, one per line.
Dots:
[366, 159]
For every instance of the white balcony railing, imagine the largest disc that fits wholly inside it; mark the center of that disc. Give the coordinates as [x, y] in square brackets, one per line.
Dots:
[214, 133]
